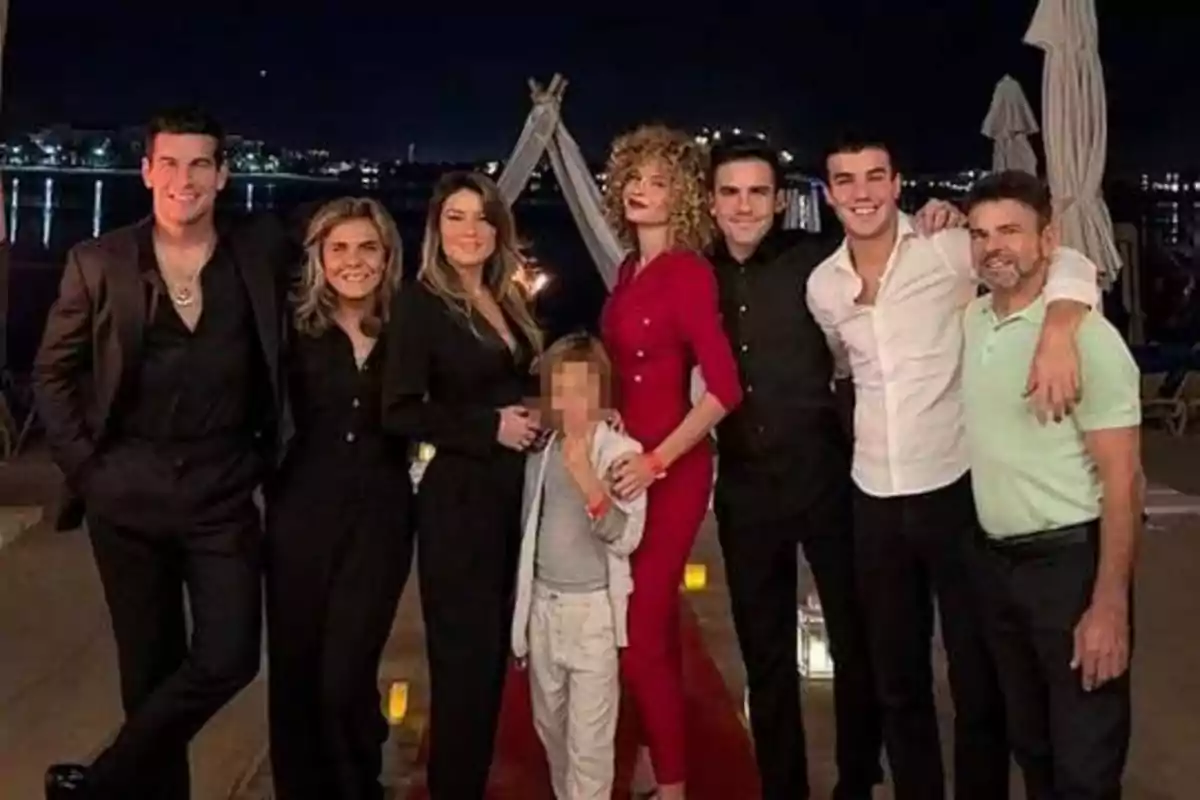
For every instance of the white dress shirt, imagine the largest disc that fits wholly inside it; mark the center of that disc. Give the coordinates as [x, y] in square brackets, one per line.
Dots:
[905, 352]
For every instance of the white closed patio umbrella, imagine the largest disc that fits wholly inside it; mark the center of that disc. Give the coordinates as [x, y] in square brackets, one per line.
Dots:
[1075, 126]
[4, 255]
[1009, 124]
[3, 33]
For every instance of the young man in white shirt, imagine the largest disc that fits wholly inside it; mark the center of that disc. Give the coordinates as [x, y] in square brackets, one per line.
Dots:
[890, 302]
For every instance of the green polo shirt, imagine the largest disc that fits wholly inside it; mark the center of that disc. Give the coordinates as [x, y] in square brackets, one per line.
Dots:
[1030, 477]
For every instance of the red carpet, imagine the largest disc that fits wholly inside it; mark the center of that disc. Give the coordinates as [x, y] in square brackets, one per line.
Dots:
[720, 758]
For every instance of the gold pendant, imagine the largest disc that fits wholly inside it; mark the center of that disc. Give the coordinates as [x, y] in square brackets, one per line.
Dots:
[183, 297]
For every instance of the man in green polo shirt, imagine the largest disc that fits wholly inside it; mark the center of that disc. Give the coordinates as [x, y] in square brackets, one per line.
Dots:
[1060, 505]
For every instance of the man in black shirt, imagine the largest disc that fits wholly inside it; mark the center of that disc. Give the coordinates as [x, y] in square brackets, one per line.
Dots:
[158, 383]
[784, 480]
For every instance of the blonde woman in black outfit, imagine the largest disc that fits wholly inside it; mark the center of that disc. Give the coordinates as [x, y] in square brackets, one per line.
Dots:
[458, 371]
[338, 520]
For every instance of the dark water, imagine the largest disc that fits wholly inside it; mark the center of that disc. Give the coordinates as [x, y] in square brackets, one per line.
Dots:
[47, 213]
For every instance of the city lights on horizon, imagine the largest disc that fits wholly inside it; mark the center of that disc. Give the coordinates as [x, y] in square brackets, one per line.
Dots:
[63, 148]
[709, 136]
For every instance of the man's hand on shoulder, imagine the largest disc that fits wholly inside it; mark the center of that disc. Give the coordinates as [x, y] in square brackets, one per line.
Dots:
[937, 216]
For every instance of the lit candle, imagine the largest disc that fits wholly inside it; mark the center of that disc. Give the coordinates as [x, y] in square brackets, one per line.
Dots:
[695, 577]
[397, 706]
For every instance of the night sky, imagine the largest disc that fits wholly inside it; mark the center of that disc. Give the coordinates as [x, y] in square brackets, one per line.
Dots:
[367, 81]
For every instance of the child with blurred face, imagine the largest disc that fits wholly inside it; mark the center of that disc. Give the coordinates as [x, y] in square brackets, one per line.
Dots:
[574, 581]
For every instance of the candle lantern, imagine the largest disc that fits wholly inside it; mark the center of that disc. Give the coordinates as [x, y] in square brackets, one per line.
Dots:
[397, 702]
[421, 458]
[813, 657]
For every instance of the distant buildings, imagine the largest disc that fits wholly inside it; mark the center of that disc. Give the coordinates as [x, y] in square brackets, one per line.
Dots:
[66, 147]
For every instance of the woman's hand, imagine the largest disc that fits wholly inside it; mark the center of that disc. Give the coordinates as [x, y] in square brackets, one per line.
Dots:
[518, 428]
[632, 475]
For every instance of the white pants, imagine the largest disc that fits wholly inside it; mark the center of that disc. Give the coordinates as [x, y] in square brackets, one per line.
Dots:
[574, 684]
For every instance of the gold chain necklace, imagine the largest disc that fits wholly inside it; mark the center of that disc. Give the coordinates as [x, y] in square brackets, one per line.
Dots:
[184, 296]
[186, 293]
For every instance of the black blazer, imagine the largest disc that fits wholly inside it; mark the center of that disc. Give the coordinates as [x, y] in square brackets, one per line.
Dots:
[92, 341]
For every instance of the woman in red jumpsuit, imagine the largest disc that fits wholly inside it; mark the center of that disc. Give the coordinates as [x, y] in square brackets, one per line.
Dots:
[660, 321]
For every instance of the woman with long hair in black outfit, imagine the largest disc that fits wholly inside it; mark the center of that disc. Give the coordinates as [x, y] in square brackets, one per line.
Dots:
[457, 377]
[339, 532]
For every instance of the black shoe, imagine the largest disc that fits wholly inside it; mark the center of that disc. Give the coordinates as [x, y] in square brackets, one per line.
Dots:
[66, 782]
[69, 514]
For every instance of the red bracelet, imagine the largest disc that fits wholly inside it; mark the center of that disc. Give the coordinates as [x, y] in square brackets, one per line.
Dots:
[656, 464]
[599, 508]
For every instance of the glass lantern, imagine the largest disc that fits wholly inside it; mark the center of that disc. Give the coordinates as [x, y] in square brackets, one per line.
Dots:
[813, 657]
[421, 458]
[397, 702]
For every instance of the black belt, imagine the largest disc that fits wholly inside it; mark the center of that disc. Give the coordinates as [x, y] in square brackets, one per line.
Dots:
[1033, 545]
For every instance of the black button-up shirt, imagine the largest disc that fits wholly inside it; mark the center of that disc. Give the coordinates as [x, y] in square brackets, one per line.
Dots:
[201, 384]
[342, 470]
[785, 443]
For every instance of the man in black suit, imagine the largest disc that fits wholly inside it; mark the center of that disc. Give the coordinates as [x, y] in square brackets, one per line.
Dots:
[158, 383]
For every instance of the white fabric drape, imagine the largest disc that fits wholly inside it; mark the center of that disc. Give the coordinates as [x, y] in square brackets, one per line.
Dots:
[1009, 124]
[1075, 126]
[545, 134]
[531, 144]
[586, 203]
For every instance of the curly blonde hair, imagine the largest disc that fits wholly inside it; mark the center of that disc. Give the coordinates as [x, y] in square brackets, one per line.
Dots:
[313, 299]
[685, 162]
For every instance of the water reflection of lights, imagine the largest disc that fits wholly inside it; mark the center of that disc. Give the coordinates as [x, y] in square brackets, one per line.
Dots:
[55, 194]
[47, 211]
[1169, 221]
[13, 216]
[97, 207]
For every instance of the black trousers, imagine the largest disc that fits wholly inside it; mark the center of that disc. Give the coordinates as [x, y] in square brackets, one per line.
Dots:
[1071, 744]
[910, 549]
[170, 689]
[761, 572]
[468, 537]
[331, 601]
